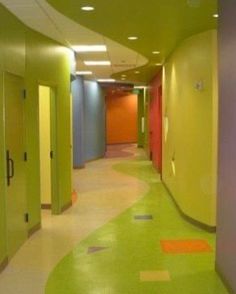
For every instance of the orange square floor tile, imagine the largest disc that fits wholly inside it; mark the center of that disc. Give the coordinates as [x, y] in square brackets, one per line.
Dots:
[185, 246]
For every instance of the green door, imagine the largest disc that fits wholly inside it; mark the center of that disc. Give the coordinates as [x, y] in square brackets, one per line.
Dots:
[15, 164]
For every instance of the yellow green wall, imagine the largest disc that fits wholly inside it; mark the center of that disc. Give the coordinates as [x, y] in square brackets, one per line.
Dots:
[40, 61]
[192, 137]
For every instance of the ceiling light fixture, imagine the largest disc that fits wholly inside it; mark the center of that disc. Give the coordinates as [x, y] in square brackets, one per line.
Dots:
[89, 48]
[133, 38]
[158, 64]
[87, 8]
[123, 76]
[84, 73]
[155, 52]
[137, 72]
[99, 63]
[216, 15]
[106, 80]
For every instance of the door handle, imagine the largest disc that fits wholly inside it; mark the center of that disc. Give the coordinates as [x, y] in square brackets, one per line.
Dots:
[10, 168]
[51, 154]
[12, 165]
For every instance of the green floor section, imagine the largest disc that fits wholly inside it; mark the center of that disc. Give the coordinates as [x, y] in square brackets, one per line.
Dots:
[134, 246]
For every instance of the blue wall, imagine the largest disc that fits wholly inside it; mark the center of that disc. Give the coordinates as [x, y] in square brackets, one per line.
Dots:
[88, 121]
[94, 121]
[78, 122]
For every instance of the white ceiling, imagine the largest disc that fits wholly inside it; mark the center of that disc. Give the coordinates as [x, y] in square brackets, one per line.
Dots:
[40, 16]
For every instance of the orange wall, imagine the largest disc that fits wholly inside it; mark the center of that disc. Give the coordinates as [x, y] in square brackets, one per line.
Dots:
[121, 118]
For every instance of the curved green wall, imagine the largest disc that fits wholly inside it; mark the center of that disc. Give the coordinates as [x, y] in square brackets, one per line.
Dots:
[190, 106]
[40, 61]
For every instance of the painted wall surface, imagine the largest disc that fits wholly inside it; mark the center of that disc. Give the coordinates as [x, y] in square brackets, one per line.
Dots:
[190, 110]
[78, 122]
[44, 54]
[121, 118]
[28, 54]
[94, 120]
[45, 144]
[10, 34]
[155, 126]
[226, 220]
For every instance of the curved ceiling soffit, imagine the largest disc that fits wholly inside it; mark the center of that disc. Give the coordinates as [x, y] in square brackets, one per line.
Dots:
[160, 25]
[43, 18]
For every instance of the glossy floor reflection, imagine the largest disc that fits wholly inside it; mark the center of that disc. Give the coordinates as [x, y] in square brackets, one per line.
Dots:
[102, 194]
[129, 256]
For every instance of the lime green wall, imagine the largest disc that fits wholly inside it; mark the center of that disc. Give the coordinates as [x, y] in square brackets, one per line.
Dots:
[2, 179]
[192, 136]
[11, 40]
[48, 63]
[40, 60]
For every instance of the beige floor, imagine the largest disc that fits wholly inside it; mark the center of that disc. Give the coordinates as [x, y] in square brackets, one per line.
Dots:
[102, 195]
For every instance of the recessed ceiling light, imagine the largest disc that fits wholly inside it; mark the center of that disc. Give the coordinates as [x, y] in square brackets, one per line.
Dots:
[123, 76]
[87, 8]
[84, 73]
[155, 52]
[123, 79]
[89, 48]
[103, 62]
[216, 15]
[106, 80]
[158, 64]
[133, 38]
[137, 72]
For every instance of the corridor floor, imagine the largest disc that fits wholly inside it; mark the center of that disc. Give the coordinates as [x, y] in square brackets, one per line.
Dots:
[122, 236]
[147, 249]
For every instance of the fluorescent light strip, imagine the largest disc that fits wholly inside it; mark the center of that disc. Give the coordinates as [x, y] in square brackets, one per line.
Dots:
[106, 80]
[104, 62]
[89, 48]
[84, 73]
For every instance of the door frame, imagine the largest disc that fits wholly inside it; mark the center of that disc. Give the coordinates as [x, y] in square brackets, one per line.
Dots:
[55, 200]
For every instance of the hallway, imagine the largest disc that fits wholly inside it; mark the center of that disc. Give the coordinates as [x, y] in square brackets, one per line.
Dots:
[111, 240]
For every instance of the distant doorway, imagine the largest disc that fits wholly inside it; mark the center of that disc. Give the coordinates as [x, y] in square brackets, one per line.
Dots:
[47, 125]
